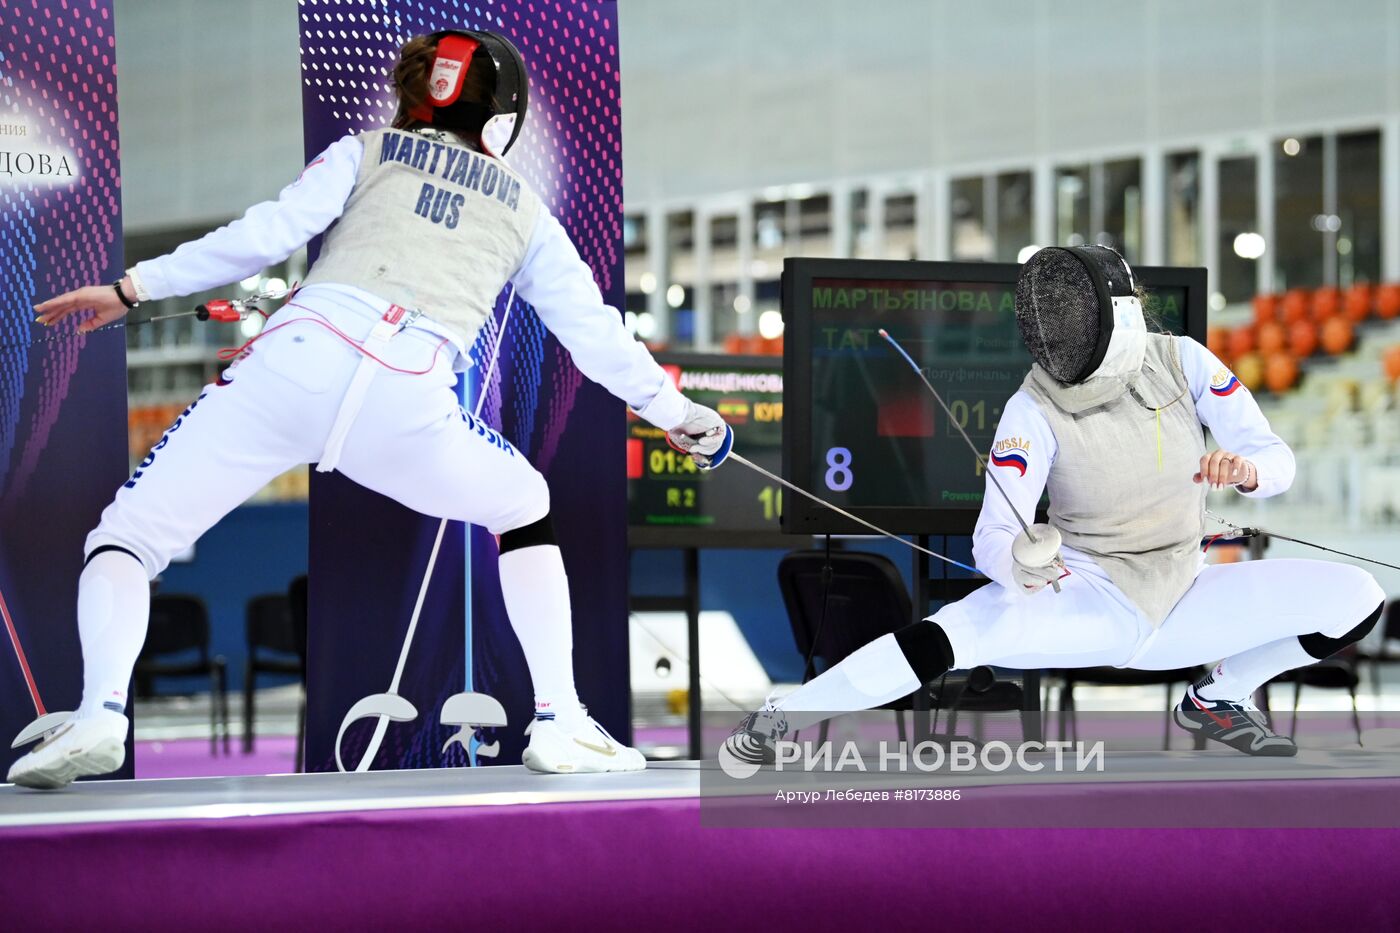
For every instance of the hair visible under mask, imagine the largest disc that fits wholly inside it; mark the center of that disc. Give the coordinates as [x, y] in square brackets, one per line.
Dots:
[468, 115]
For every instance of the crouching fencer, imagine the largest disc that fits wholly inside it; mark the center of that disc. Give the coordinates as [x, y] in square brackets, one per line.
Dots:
[1110, 420]
[425, 226]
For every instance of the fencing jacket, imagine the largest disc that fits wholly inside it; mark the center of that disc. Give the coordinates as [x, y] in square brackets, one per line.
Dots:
[1122, 503]
[434, 226]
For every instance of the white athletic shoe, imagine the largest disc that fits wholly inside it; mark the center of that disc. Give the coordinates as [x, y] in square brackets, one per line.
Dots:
[584, 749]
[92, 745]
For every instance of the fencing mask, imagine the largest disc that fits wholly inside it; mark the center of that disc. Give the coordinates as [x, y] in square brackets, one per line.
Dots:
[1078, 314]
[503, 117]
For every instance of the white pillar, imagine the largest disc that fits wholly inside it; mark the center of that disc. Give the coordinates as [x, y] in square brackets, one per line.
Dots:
[991, 215]
[746, 248]
[1329, 207]
[704, 297]
[1098, 210]
[1210, 219]
[841, 220]
[1043, 197]
[1264, 213]
[1390, 201]
[1154, 207]
[659, 265]
[875, 221]
[934, 232]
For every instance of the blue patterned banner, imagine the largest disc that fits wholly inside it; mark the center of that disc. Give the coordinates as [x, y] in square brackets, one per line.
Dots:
[367, 553]
[62, 396]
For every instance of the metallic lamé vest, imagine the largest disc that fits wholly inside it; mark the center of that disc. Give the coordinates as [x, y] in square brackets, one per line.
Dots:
[1121, 488]
[431, 225]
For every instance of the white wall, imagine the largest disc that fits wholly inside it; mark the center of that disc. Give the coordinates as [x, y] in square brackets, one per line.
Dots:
[209, 96]
[731, 95]
[739, 94]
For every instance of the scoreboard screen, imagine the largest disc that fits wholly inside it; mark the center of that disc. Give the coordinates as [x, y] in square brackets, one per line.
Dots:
[864, 432]
[671, 503]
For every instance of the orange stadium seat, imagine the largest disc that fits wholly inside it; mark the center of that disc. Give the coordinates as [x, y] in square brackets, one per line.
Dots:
[1359, 299]
[1241, 341]
[1388, 301]
[1218, 342]
[1337, 335]
[1281, 372]
[1271, 337]
[1249, 369]
[1302, 339]
[1326, 303]
[1295, 305]
[1265, 308]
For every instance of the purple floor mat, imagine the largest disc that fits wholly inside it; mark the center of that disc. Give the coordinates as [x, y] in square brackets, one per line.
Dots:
[275, 754]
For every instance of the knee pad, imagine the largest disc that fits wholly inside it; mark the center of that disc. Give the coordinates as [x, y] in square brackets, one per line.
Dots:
[926, 648]
[531, 535]
[1320, 646]
[102, 548]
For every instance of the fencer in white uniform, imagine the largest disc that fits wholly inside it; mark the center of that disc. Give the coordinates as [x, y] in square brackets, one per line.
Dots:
[357, 372]
[1110, 420]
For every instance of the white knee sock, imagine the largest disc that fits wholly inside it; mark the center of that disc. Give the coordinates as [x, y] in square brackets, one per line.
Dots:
[114, 604]
[870, 676]
[536, 593]
[1241, 674]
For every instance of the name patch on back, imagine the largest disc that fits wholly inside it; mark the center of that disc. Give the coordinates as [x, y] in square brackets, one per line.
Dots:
[460, 168]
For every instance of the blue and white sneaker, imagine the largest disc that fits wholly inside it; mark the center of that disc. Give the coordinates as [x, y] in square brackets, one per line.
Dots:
[576, 745]
[1236, 723]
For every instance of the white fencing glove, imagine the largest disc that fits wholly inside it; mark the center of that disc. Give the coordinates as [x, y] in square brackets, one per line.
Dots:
[704, 435]
[1036, 564]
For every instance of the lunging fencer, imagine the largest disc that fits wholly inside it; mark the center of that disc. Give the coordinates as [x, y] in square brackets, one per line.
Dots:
[425, 225]
[1110, 420]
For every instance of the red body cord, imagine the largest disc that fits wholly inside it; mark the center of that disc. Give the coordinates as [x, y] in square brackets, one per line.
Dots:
[229, 353]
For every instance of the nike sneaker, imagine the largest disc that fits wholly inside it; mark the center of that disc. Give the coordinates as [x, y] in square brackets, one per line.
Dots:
[91, 745]
[754, 741]
[583, 747]
[1236, 723]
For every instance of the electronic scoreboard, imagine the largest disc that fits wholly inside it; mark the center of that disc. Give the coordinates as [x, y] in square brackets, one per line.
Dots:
[863, 432]
[670, 502]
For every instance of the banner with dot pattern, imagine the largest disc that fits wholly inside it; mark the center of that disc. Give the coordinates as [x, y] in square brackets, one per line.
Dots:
[62, 396]
[366, 571]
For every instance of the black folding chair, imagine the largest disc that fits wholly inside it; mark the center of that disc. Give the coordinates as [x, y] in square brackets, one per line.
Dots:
[1339, 672]
[1122, 677]
[866, 598]
[273, 648]
[1384, 653]
[179, 627]
[986, 689]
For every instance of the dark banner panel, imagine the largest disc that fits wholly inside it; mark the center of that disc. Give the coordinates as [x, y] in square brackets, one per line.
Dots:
[368, 554]
[62, 396]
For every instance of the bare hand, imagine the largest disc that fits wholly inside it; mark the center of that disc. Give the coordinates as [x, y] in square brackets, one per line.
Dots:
[101, 300]
[1222, 468]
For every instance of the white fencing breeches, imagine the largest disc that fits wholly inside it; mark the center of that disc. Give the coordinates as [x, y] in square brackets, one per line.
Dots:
[274, 409]
[1230, 608]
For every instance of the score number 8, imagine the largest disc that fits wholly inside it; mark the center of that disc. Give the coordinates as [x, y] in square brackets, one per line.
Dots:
[838, 475]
